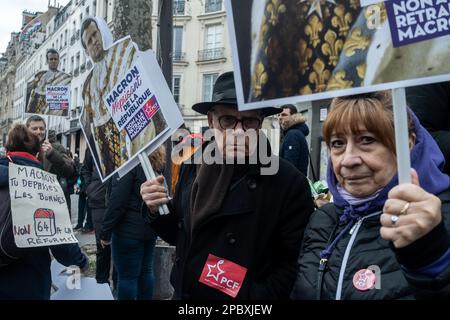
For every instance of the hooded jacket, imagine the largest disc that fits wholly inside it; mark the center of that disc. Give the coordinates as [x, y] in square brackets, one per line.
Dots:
[28, 275]
[295, 148]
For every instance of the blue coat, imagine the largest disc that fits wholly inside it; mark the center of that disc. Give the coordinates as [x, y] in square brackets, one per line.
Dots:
[295, 148]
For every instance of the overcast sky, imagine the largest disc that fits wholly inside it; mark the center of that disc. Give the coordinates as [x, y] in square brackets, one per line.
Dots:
[11, 16]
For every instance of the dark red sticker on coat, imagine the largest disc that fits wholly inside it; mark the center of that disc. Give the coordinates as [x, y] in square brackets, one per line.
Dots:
[223, 275]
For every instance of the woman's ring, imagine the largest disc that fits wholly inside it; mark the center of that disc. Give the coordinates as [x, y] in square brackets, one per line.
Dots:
[394, 219]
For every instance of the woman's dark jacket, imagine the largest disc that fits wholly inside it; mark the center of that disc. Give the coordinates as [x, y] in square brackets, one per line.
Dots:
[94, 187]
[259, 227]
[29, 277]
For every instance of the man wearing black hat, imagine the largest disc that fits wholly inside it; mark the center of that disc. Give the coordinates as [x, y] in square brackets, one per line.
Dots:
[237, 230]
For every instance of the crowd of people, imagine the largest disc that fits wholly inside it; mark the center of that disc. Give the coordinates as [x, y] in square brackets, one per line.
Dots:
[240, 233]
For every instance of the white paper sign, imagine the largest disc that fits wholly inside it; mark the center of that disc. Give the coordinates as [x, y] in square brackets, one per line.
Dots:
[39, 210]
[57, 97]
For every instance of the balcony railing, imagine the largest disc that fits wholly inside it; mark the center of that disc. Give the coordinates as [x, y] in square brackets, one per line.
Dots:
[178, 8]
[179, 56]
[211, 54]
[213, 6]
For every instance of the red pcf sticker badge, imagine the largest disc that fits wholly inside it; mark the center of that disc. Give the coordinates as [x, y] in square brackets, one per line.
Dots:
[223, 275]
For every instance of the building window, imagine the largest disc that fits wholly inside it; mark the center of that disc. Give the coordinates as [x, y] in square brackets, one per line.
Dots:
[213, 43]
[87, 11]
[213, 5]
[214, 36]
[208, 83]
[178, 44]
[75, 97]
[78, 61]
[176, 87]
[105, 10]
[178, 7]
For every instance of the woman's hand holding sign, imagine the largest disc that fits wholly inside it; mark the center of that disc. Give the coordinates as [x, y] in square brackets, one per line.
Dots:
[410, 213]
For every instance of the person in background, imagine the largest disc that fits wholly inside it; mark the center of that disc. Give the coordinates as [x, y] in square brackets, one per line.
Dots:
[96, 202]
[378, 240]
[294, 147]
[84, 211]
[25, 273]
[184, 150]
[53, 155]
[133, 241]
[431, 104]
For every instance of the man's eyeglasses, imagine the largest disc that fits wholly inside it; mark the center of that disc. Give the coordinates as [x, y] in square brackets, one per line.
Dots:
[230, 122]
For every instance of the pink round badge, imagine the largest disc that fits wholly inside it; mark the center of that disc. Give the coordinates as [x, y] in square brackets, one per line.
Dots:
[364, 280]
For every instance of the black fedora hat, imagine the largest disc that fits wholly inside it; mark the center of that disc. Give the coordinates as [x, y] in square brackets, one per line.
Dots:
[224, 93]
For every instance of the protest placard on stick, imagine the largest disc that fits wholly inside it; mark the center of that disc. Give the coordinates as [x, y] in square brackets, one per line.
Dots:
[39, 210]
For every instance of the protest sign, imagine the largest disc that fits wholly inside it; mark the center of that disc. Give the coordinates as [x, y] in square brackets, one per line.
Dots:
[39, 210]
[292, 51]
[413, 21]
[131, 103]
[128, 108]
[49, 94]
[58, 97]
